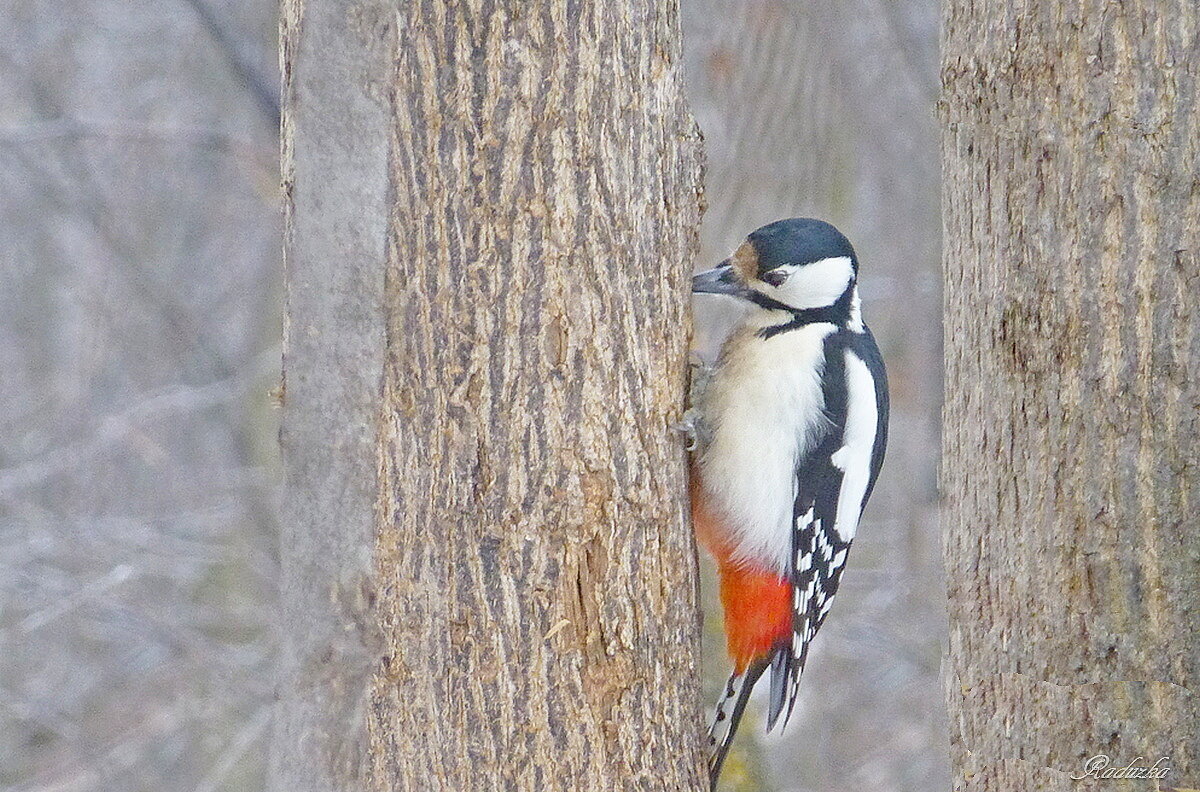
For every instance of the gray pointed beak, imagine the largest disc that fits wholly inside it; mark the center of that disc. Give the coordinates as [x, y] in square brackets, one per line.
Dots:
[718, 280]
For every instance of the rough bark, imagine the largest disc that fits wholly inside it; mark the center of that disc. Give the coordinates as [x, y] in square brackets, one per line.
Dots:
[334, 152]
[535, 568]
[1071, 469]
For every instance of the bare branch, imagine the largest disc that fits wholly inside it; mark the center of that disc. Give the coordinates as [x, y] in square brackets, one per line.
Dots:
[237, 748]
[266, 97]
[119, 129]
[115, 428]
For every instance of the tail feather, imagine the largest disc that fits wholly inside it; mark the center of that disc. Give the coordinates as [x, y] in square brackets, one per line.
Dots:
[726, 720]
[781, 676]
[798, 656]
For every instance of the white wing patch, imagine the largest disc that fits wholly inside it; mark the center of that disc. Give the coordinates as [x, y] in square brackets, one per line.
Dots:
[858, 441]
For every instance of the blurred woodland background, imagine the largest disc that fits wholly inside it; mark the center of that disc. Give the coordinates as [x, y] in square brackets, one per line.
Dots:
[140, 317]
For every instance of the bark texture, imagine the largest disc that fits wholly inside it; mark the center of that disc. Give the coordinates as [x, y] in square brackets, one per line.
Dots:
[537, 579]
[334, 155]
[1071, 469]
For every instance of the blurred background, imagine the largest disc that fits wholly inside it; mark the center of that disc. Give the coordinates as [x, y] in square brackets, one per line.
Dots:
[140, 313]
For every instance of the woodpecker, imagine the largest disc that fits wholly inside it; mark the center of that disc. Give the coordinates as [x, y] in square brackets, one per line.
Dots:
[790, 436]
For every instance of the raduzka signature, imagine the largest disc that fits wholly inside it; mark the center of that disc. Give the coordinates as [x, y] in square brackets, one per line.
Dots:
[1101, 767]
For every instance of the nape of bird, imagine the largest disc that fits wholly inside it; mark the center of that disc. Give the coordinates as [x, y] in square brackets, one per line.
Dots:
[792, 429]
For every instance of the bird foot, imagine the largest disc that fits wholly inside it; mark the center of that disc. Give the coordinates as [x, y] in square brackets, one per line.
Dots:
[688, 427]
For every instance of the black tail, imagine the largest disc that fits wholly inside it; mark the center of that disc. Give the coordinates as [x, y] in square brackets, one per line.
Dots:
[725, 722]
[783, 665]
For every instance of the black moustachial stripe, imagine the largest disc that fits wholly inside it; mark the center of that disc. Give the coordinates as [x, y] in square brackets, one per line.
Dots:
[838, 313]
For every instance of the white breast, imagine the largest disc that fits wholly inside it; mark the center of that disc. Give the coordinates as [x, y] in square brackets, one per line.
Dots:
[764, 411]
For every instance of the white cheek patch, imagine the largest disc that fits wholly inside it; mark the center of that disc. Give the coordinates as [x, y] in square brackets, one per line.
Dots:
[813, 285]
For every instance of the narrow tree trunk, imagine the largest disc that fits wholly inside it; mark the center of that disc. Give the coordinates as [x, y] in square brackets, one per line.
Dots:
[535, 569]
[334, 155]
[1071, 466]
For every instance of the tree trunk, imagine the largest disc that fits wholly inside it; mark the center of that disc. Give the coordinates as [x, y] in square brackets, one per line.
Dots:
[334, 155]
[533, 584]
[536, 569]
[1071, 469]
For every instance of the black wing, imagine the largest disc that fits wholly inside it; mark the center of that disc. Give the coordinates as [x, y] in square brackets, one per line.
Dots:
[819, 553]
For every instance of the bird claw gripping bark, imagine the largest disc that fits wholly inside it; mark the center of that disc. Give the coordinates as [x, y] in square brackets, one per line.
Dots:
[691, 425]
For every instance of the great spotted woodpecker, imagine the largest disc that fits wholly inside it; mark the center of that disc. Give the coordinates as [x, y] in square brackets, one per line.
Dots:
[790, 436]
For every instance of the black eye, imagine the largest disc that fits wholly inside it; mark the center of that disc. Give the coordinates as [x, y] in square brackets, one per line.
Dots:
[775, 277]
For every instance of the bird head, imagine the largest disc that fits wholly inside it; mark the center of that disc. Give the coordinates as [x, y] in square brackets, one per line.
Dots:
[799, 265]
